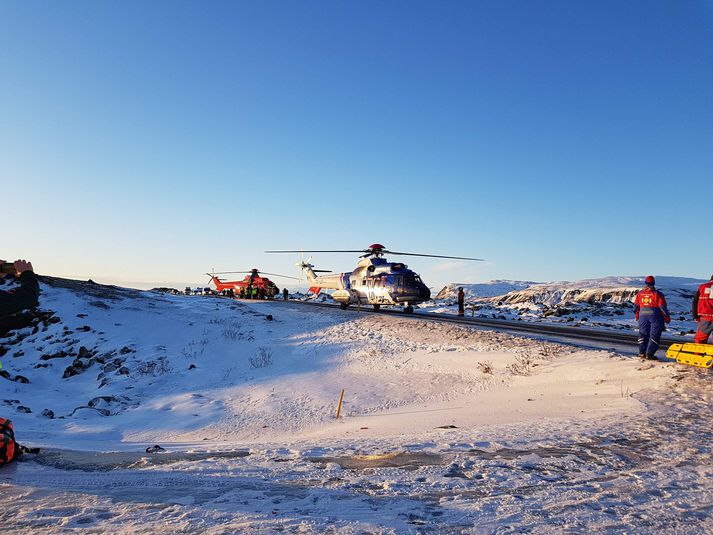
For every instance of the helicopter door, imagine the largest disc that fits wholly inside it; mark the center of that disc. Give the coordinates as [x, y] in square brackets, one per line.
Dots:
[370, 289]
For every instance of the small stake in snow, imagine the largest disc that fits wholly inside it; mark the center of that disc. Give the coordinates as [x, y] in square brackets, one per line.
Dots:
[339, 407]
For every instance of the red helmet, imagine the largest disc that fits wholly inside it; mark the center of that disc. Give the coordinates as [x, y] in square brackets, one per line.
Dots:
[650, 280]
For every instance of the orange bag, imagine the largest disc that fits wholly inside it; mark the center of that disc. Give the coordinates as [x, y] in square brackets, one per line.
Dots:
[8, 446]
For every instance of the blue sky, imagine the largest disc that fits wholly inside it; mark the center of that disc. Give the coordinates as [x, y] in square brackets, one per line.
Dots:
[151, 141]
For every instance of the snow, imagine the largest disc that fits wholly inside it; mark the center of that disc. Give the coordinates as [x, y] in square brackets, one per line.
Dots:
[492, 288]
[602, 303]
[443, 427]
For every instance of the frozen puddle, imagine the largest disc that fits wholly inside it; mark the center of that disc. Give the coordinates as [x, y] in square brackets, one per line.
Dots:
[400, 459]
[89, 461]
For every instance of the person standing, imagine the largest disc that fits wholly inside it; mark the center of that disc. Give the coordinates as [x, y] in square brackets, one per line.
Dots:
[703, 312]
[285, 294]
[461, 301]
[651, 311]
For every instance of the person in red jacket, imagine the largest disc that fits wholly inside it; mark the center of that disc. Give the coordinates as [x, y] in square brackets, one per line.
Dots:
[703, 311]
[651, 311]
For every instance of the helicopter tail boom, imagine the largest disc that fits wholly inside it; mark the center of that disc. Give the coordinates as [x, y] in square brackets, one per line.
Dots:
[333, 281]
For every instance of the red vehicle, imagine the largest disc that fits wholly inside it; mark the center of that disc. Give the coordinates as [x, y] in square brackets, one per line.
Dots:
[253, 280]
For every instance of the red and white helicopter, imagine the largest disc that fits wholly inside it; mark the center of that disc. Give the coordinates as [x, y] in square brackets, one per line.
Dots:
[253, 279]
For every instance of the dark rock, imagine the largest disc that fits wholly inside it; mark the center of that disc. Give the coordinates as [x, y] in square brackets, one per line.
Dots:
[43, 365]
[72, 370]
[58, 355]
[192, 367]
[123, 371]
[155, 449]
[21, 379]
[455, 471]
[99, 304]
[268, 317]
[85, 353]
[81, 315]
[5, 374]
[22, 408]
[48, 414]
[83, 328]
[125, 350]
[79, 363]
[99, 399]
[18, 354]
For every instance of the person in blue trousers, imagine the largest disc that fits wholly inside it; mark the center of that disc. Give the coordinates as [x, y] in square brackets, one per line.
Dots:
[651, 311]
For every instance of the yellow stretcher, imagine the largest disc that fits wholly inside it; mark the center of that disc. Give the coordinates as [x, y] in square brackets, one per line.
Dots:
[700, 355]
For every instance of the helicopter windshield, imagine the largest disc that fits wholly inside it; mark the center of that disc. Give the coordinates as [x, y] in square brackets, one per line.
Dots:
[412, 278]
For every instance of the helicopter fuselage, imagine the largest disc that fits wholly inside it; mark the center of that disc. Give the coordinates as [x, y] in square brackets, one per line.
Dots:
[250, 281]
[375, 282]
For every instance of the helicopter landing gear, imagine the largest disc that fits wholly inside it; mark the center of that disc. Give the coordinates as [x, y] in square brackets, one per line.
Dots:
[343, 306]
[408, 309]
[377, 307]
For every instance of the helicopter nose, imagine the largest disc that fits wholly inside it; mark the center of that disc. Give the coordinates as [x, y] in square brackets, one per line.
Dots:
[424, 293]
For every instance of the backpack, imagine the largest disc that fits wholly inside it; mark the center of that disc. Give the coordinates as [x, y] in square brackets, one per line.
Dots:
[8, 447]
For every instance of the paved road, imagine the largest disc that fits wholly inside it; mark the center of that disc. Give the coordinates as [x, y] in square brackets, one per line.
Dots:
[600, 336]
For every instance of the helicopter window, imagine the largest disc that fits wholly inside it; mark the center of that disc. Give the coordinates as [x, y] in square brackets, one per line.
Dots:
[412, 279]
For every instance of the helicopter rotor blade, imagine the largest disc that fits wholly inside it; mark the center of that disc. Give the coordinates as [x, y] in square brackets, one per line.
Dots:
[277, 275]
[250, 271]
[369, 252]
[330, 251]
[435, 256]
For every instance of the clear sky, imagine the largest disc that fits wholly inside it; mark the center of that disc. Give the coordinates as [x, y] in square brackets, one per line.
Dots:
[152, 141]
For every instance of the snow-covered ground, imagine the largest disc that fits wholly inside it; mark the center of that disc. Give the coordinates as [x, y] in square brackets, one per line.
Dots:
[443, 428]
[603, 303]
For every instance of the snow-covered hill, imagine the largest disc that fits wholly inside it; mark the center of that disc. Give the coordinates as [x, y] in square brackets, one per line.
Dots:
[487, 289]
[606, 302]
[443, 427]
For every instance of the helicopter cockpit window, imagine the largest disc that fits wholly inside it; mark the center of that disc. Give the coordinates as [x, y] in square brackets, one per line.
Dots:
[412, 279]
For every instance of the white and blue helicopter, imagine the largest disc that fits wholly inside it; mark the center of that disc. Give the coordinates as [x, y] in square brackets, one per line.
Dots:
[374, 281]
